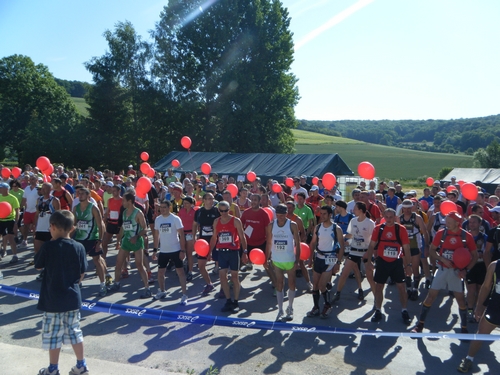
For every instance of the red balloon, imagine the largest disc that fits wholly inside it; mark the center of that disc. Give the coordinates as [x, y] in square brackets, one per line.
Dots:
[424, 205]
[366, 170]
[48, 171]
[447, 207]
[151, 173]
[143, 185]
[6, 172]
[329, 181]
[289, 182]
[186, 143]
[5, 210]
[144, 156]
[450, 188]
[42, 162]
[201, 247]
[206, 168]
[314, 180]
[251, 176]
[176, 163]
[257, 256]
[141, 195]
[305, 251]
[277, 188]
[145, 167]
[460, 182]
[16, 172]
[233, 189]
[469, 191]
[461, 257]
[269, 213]
[429, 181]
[48, 178]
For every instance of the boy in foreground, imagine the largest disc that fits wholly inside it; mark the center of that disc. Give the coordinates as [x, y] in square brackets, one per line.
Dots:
[64, 261]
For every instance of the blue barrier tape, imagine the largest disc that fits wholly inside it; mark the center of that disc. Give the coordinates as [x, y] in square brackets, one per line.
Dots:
[172, 316]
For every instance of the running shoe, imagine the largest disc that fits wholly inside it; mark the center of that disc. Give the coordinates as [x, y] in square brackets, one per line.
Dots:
[336, 297]
[146, 294]
[236, 306]
[406, 317]
[244, 268]
[31, 263]
[14, 259]
[160, 295]
[208, 289]
[103, 291]
[280, 317]
[465, 365]
[189, 276]
[151, 279]
[314, 312]
[249, 266]
[184, 299]
[377, 317]
[289, 314]
[115, 287]
[326, 311]
[418, 328]
[24, 244]
[45, 371]
[361, 294]
[228, 306]
[109, 280]
[84, 370]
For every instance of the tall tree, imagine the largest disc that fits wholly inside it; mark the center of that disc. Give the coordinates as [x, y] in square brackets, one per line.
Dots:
[37, 116]
[489, 157]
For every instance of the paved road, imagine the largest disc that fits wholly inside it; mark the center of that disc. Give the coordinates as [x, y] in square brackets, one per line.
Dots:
[122, 345]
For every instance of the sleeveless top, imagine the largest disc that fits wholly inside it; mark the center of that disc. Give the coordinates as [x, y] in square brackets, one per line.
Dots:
[45, 209]
[227, 237]
[283, 242]
[61, 195]
[86, 228]
[130, 226]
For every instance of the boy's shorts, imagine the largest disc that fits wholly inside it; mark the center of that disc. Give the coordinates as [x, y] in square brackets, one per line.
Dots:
[59, 327]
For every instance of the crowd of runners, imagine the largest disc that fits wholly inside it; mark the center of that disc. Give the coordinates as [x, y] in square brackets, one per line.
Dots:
[378, 232]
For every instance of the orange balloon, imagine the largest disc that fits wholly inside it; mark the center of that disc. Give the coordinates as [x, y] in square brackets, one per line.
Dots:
[447, 207]
[329, 181]
[305, 251]
[366, 170]
[469, 191]
[144, 156]
[257, 256]
[176, 163]
[233, 189]
[251, 176]
[186, 142]
[206, 168]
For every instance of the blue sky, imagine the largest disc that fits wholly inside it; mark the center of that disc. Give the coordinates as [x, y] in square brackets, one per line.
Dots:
[355, 59]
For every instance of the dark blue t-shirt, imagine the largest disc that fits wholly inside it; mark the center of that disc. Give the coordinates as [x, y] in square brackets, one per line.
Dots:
[63, 261]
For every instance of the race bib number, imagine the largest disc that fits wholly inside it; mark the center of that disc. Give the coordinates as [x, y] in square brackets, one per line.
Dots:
[82, 225]
[189, 236]
[448, 254]
[391, 252]
[358, 242]
[127, 226]
[331, 259]
[225, 238]
[166, 228]
[280, 245]
[113, 215]
[207, 231]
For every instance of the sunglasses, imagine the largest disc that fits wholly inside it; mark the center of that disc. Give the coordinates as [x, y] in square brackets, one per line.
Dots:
[222, 211]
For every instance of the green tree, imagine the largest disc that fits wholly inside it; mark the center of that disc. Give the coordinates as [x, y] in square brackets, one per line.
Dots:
[37, 116]
[489, 157]
[231, 63]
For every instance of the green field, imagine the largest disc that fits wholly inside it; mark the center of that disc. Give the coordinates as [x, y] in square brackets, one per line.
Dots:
[81, 105]
[390, 162]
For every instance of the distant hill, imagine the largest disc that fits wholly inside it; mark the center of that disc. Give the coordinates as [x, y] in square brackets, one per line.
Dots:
[75, 89]
[450, 136]
[391, 163]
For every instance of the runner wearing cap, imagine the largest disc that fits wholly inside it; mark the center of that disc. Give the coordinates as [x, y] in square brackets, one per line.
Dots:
[315, 200]
[282, 238]
[64, 181]
[448, 276]
[176, 201]
[419, 238]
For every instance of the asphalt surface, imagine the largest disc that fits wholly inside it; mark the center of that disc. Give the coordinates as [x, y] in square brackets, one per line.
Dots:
[121, 345]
